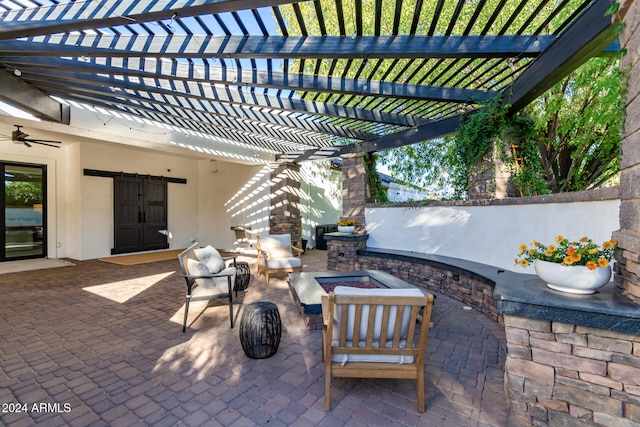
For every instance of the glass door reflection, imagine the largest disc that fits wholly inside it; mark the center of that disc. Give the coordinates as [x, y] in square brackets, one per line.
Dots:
[24, 211]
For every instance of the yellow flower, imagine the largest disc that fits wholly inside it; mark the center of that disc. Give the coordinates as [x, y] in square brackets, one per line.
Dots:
[536, 244]
[532, 251]
[584, 239]
[568, 260]
[576, 257]
[522, 247]
[603, 262]
[524, 263]
[609, 244]
[559, 239]
[592, 265]
[552, 248]
[593, 251]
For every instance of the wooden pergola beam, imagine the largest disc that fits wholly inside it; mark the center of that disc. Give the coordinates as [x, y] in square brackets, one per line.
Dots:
[22, 95]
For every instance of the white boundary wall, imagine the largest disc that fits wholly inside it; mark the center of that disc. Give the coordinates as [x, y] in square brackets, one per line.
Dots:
[491, 234]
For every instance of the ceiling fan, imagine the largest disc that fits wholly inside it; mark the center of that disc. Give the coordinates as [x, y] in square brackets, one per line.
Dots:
[20, 137]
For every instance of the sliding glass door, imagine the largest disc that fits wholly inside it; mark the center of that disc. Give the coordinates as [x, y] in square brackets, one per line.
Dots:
[23, 211]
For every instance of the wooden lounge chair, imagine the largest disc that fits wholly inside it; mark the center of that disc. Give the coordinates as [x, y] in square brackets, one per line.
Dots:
[371, 333]
[276, 255]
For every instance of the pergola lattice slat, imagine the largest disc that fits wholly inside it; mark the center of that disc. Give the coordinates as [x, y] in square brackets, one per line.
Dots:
[301, 78]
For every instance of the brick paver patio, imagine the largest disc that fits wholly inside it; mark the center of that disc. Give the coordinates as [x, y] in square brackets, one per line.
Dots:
[102, 344]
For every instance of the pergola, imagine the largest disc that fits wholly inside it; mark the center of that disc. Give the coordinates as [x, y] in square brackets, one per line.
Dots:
[296, 79]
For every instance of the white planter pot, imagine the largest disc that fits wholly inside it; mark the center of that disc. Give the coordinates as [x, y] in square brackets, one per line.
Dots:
[346, 229]
[573, 279]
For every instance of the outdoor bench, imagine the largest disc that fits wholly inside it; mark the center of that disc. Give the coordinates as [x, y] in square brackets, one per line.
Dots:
[469, 282]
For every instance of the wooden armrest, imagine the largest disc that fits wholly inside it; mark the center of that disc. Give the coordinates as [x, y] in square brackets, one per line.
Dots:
[299, 250]
[325, 310]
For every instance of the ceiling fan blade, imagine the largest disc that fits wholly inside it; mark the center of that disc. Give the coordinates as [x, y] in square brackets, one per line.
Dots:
[40, 140]
[20, 137]
[42, 143]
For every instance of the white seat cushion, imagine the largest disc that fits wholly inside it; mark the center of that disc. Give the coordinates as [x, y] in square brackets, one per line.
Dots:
[292, 262]
[211, 257]
[383, 358]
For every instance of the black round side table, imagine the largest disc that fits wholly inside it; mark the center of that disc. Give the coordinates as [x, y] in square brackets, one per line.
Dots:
[243, 276]
[260, 330]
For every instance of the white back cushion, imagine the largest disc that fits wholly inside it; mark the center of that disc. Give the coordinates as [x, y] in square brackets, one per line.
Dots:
[275, 240]
[346, 290]
[211, 257]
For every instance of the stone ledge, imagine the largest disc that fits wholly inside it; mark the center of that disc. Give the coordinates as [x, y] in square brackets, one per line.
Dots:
[347, 237]
[526, 295]
[474, 270]
[468, 282]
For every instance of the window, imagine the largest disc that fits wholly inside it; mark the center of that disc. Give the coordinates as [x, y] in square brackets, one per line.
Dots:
[23, 211]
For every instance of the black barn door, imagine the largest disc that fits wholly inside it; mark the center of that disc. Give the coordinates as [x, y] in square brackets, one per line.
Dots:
[140, 213]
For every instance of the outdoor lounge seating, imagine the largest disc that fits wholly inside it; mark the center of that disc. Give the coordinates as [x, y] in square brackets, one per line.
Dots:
[371, 333]
[206, 277]
[276, 255]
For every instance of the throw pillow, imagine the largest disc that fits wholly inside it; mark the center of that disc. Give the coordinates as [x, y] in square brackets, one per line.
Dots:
[211, 257]
[197, 268]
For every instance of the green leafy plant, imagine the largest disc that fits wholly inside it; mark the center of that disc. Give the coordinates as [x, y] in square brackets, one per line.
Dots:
[583, 252]
[378, 193]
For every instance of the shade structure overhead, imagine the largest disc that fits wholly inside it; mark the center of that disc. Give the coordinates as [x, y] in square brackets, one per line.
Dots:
[298, 79]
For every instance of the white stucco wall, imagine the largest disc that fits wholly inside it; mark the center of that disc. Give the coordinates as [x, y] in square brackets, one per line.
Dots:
[80, 208]
[96, 194]
[232, 195]
[320, 197]
[488, 234]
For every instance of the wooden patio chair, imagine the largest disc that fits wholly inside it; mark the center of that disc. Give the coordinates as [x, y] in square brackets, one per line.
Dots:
[276, 255]
[371, 333]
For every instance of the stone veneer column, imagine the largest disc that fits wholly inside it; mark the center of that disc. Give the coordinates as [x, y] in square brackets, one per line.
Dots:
[355, 189]
[490, 179]
[342, 251]
[285, 201]
[628, 257]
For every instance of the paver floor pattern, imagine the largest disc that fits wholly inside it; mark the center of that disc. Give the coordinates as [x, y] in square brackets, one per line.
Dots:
[101, 344]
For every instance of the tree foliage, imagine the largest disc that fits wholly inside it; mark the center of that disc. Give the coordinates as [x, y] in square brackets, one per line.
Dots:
[568, 139]
[578, 127]
[378, 194]
[23, 193]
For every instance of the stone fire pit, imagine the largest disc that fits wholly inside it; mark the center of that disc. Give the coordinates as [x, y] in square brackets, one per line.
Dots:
[306, 288]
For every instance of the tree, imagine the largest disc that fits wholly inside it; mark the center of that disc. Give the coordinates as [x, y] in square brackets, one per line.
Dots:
[577, 127]
[569, 139]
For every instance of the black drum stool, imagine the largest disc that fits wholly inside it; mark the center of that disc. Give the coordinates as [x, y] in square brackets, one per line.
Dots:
[260, 330]
[243, 275]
